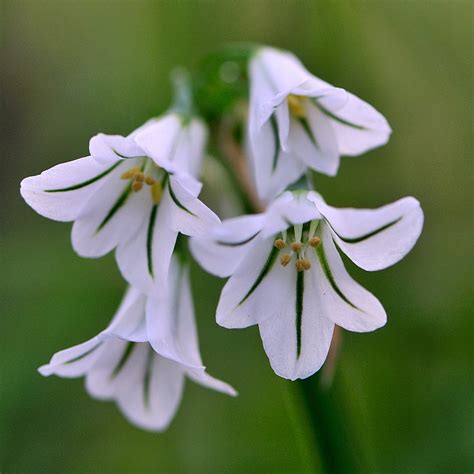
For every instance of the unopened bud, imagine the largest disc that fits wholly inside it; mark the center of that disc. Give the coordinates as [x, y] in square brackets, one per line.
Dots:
[280, 244]
[285, 259]
[315, 241]
[296, 246]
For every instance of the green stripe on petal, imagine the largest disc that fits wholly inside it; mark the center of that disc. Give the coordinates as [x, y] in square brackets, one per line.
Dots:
[147, 378]
[125, 355]
[84, 183]
[149, 239]
[327, 271]
[299, 310]
[336, 118]
[356, 240]
[265, 270]
[304, 123]
[276, 139]
[237, 244]
[118, 204]
[177, 202]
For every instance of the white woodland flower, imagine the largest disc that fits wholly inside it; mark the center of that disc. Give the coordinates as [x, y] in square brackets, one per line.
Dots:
[133, 193]
[297, 121]
[133, 361]
[287, 276]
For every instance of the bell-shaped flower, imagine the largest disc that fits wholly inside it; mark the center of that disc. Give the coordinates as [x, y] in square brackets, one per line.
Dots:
[297, 121]
[287, 276]
[134, 361]
[133, 193]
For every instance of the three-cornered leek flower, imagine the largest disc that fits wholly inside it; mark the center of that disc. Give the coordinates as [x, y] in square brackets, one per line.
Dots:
[121, 364]
[287, 276]
[133, 193]
[297, 121]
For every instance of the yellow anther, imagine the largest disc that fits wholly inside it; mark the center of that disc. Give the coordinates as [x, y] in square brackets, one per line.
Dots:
[150, 180]
[299, 265]
[139, 176]
[305, 263]
[129, 174]
[295, 104]
[136, 186]
[315, 241]
[279, 244]
[296, 246]
[285, 259]
[156, 191]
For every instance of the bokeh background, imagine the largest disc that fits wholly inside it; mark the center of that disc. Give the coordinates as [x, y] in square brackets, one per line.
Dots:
[73, 68]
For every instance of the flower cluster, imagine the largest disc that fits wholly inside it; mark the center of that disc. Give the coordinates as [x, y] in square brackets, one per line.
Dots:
[139, 194]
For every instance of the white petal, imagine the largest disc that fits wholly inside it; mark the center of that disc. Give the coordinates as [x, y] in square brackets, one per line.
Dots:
[110, 217]
[357, 125]
[108, 149]
[62, 191]
[316, 143]
[273, 169]
[297, 342]
[129, 322]
[189, 215]
[75, 361]
[221, 251]
[105, 376]
[341, 299]
[203, 378]
[164, 396]
[159, 140]
[145, 258]
[375, 238]
[190, 147]
[260, 288]
[170, 320]
[288, 209]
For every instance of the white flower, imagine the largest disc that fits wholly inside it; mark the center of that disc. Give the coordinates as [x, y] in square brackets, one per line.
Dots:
[121, 364]
[297, 121]
[132, 193]
[287, 276]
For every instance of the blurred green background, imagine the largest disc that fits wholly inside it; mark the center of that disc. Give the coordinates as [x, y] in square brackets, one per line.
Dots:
[73, 68]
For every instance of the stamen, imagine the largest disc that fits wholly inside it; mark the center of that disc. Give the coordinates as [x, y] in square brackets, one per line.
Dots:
[305, 263]
[139, 176]
[299, 265]
[285, 259]
[315, 241]
[295, 105]
[150, 180]
[156, 192]
[296, 246]
[136, 186]
[129, 174]
[279, 244]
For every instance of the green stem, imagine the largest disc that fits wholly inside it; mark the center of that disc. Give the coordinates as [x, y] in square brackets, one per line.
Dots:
[331, 426]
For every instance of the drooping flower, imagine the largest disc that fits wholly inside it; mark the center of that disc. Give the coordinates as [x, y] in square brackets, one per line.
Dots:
[297, 121]
[133, 193]
[135, 361]
[287, 276]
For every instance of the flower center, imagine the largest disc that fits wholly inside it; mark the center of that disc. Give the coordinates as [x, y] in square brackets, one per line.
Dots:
[150, 175]
[297, 239]
[296, 105]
